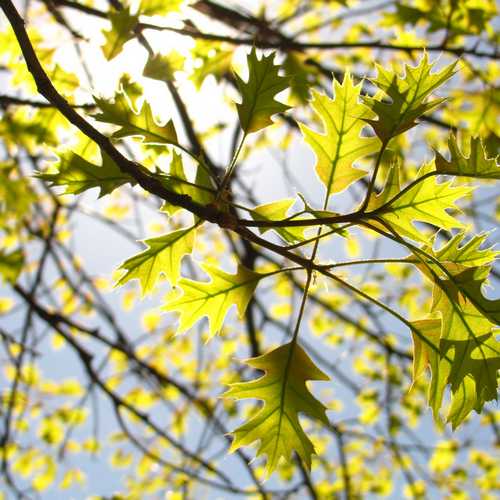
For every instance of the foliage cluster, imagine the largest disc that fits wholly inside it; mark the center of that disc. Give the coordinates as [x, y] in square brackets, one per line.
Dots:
[368, 276]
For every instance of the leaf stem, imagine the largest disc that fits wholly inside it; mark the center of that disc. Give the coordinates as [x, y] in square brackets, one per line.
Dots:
[371, 184]
[232, 165]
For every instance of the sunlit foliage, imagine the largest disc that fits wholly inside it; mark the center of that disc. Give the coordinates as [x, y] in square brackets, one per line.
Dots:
[247, 249]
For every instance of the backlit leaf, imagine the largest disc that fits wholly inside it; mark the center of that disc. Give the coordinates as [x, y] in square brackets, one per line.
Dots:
[213, 298]
[11, 264]
[461, 348]
[341, 144]
[283, 390]
[163, 256]
[456, 252]
[425, 201]
[277, 210]
[201, 191]
[162, 67]
[408, 95]
[258, 93]
[477, 164]
[159, 7]
[134, 124]
[76, 174]
[122, 30]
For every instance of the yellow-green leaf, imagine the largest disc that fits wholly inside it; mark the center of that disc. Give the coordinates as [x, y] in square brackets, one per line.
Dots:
[202, 191]
[285, 395]
[140, 123]
[163, 256]
[425, 201]
[213, 298]
[277, 210]
[477, 164]
[456, 252]
[162, 67]
[341, 144]
[122, 30]
[11, 264]
[159, 7]
[459, 344]
[257, 94]
[408, 95]
[77, 174]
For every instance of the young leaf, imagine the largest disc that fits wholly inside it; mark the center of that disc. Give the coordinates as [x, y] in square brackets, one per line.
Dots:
[341, 145]
[476, 165]
[258, 103]
[408, 96]
[163, 256]
[465, 353]
[213, 60]
[11, 265]
[122, 30]
[277, 210]
[425, 201]
[284, 392]
[456, 253]
[162, 67]
[77, 174]
[213, 298]
[159, 7]
[131, 123]
[202, 192]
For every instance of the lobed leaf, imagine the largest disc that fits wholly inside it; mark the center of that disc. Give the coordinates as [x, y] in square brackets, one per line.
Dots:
[425, 201]
[341, 144]
[477, 164]
[213, 298]
[162, 67]
[459, 341]
[408, 96]
[134, 124]
[163, 256]
[457, 254]
[201, 191]
[283, 390]
[258, 93]
[77, 174]
[122, 30]
[278, 210]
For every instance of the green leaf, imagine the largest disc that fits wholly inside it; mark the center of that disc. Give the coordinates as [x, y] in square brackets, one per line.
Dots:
[211, 59]
[424, 201]
[258, 103]
[122, 30]
[77, 174]
[11, 265]
[475, 165]
[163, 256]
[213, 298]
[159, 7]
[16, 194]
[341, 145]
[464, 353]
[302, 75]
[457, 253]
[131, 123]
[202, 192]
[277, 210]
[162, 67]
[284, 392]
[408, 96]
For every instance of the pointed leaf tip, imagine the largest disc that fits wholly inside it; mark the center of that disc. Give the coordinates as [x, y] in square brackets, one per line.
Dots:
[258, 102]
[283, 390]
